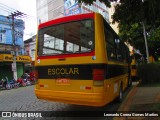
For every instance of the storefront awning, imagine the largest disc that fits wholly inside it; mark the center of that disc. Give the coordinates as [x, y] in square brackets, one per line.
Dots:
[19, 58]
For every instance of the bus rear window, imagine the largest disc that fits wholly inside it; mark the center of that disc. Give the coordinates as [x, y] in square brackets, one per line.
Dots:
[68, 38]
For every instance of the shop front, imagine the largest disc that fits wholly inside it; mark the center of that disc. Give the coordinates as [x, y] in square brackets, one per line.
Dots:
[6, 65]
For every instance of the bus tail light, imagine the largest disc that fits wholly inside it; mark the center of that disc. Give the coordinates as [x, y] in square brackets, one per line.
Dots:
[98, 77]
[36, 76]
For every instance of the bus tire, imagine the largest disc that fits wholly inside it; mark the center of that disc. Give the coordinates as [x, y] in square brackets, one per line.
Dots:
[129, 81]
[120, 96]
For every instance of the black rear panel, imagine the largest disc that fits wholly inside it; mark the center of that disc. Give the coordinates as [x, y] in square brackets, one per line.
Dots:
[79, 72]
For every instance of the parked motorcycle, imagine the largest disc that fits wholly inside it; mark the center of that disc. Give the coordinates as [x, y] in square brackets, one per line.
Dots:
[21, 82]
[14, 83]
[4, 83]
[32, 78]
[26, 79]
[8, 85]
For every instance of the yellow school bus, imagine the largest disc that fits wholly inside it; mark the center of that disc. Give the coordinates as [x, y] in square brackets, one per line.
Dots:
[80, 60]
[133, 68]
[137, 59]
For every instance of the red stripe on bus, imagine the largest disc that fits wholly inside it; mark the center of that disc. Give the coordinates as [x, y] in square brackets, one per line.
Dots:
[88, 88]
[66, 19]
[41, 85]
[66, 55]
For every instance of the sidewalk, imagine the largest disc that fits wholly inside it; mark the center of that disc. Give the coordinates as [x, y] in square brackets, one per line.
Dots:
[142, 100]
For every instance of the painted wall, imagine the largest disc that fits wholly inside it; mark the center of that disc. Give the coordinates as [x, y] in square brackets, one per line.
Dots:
[6, 32]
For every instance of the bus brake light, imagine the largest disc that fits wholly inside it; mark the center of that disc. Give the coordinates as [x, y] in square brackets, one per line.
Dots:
[98, 74]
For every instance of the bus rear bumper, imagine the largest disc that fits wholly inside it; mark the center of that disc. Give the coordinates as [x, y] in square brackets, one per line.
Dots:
[78, 98]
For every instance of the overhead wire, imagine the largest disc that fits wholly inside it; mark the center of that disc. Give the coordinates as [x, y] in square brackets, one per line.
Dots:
[11, 10]
[24, 16]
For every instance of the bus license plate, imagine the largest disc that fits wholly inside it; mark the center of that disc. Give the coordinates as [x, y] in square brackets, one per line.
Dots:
[63, 81]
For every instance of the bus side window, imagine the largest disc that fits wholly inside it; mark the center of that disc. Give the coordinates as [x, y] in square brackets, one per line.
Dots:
[122, 52]
[111, 52]
[110, 44]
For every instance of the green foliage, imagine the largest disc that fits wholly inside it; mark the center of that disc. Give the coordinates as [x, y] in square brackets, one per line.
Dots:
[149, 73]
[106, 2]
[130, 32]
[86, 1]
[130, 14]
[155, 34]
[154, 39]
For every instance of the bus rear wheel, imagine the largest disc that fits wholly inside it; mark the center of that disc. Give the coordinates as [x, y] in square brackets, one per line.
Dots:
[129, 82]
[120, 97]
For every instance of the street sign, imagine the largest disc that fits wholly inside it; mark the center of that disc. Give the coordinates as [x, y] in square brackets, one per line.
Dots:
[14, 67]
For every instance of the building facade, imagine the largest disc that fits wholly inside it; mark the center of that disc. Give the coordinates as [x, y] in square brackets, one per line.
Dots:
[111, 12]
[30, 47]
[51, 9]
[6, 32]
[7, 47]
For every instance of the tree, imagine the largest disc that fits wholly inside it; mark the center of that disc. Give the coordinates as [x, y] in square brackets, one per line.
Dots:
[130, 14]
[106, 2]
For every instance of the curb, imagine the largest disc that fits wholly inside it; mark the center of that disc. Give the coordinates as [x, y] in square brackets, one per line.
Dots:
[126, 103]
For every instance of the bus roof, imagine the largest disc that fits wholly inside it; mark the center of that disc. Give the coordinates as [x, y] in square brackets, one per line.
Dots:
[66, 19]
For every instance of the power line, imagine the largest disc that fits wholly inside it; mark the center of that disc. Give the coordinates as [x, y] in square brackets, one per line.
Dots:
[11, 10]
[17, 14]
[4, 9]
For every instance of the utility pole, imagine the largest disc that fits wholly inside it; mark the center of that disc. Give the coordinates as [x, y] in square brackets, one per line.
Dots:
[14, 65]
[144, 34]
[145, 39]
